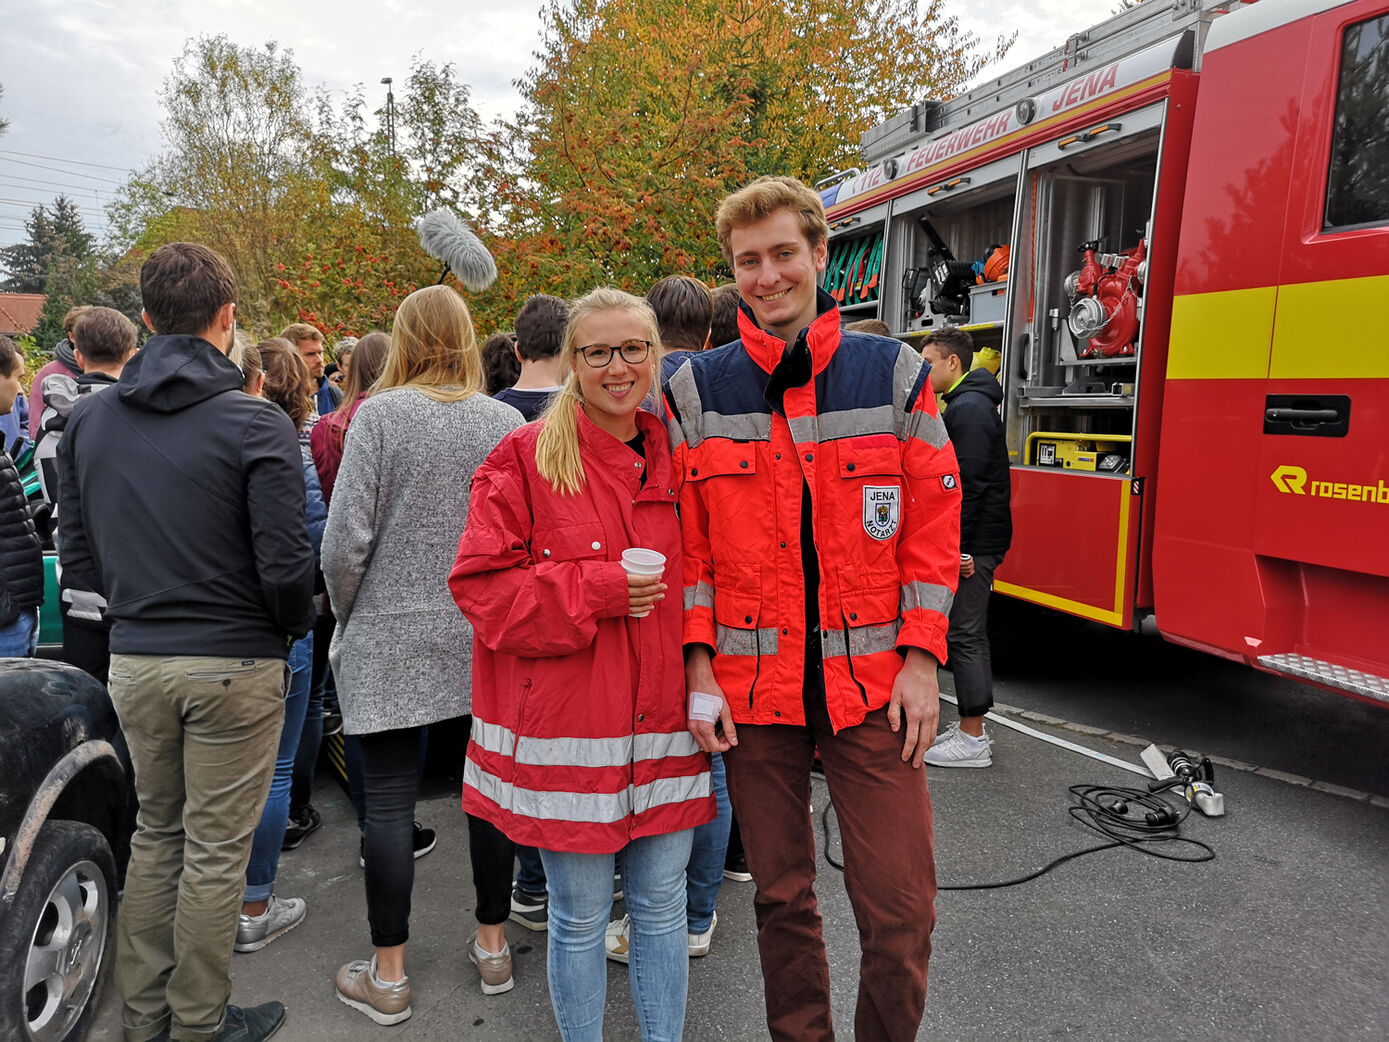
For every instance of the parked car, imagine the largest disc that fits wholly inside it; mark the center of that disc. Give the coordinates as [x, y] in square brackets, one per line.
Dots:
[66, 816]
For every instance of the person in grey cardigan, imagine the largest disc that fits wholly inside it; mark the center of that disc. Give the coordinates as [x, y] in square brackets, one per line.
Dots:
[402, 652]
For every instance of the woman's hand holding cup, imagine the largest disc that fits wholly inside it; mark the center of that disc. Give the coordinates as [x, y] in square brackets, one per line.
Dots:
[644, 569]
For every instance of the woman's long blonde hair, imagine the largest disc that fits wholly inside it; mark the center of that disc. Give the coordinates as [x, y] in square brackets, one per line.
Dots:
[557, 449]
[433, 347]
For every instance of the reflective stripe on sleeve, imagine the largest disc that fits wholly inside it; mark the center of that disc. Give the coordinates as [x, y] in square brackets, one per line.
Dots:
[730, 641]
[906, 370]
[861, 640]
[685, 395]
[929, 429]
[700, 595]
[930, 596]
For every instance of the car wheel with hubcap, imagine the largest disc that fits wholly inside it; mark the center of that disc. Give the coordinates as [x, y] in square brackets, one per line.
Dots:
[57, 935]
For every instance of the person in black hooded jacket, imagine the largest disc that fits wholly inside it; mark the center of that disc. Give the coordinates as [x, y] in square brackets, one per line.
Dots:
[21, 552]
[972, 397]
[183, 505]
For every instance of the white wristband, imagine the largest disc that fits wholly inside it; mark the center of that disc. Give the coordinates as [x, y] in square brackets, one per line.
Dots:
[704, 706]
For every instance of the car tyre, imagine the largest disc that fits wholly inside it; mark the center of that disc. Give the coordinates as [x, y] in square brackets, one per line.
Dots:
[58, 936]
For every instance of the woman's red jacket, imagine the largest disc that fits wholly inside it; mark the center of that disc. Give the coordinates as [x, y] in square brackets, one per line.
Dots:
[579, 739]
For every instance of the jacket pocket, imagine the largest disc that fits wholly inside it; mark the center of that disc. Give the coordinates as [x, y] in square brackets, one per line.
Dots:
[871, 623]
[580, 542]
[873, 456]
[739, 642]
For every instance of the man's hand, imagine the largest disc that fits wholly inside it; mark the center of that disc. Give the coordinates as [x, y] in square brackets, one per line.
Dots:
[966, 566]
[699, 676]
[917, 691]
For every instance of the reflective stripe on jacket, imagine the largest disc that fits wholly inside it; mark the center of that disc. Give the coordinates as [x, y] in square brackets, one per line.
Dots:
[579, 740]
[865, 437]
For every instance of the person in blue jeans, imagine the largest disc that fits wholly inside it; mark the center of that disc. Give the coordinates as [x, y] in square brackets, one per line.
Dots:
[703, 880]
[264, 914]
[284, 380]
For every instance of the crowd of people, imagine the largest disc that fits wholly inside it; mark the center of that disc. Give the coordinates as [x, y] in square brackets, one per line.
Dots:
[660, 556]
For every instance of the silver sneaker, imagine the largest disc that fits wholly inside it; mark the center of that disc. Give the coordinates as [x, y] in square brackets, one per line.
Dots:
[494, 969]
[282, 914]
[385, 1003]
[954, 748]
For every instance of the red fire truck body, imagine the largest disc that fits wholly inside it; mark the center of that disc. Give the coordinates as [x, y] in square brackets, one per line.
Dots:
[1197, 407]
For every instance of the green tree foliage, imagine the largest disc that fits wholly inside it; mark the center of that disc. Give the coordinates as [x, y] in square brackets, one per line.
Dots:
[358, 254]
[641, 114]
[236, 164]
[56, 238]
[638, 116]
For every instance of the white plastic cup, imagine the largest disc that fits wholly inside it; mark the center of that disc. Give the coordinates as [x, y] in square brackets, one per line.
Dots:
[640, 561]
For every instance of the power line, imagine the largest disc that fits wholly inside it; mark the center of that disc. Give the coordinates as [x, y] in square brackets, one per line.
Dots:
[60, 159]
[55, 184]
[35, 204]
[70, 173]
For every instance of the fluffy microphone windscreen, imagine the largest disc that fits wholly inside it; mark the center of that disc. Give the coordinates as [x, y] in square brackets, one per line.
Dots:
[444, 237]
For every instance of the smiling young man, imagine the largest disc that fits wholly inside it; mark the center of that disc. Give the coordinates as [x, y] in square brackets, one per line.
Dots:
[820, 508]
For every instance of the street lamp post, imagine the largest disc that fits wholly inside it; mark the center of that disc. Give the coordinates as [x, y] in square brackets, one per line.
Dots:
[390, 114]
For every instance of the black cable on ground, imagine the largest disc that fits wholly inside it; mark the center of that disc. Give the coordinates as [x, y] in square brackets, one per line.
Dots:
[1134, 818]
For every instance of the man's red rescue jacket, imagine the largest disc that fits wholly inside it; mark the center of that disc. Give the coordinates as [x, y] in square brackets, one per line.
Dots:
[865, 437]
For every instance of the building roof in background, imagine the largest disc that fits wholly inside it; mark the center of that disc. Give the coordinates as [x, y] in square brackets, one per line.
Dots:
[19, 312]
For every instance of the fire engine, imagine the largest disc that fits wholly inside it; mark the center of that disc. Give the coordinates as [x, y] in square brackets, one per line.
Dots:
[1173, 234]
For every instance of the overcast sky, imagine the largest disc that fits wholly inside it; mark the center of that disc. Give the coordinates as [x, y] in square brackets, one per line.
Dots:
[80, 76]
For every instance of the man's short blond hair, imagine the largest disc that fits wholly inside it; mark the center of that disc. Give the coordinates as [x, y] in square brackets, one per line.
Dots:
[301, 331]
[764, 197]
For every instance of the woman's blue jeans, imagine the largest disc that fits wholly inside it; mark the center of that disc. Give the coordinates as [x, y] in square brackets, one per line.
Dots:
[704, 874]
[270, 833]
[581, 892]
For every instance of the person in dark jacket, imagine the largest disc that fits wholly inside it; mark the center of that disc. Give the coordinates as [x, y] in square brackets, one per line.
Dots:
[183, 505]
[972, 397]
[21, 552]
[539, 332]
[64, 361]
[108, 339]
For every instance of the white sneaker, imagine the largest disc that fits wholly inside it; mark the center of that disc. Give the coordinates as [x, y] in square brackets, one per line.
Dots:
[954, 748]
[699, 942]
[616, 939]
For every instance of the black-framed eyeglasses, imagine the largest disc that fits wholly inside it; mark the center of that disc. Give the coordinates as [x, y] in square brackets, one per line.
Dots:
[599, 355]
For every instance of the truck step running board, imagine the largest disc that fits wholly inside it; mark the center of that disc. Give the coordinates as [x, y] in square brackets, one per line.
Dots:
[1330, 674]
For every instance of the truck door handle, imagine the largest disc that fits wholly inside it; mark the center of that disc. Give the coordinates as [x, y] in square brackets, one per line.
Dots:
[1309, 415]
[1304, 416]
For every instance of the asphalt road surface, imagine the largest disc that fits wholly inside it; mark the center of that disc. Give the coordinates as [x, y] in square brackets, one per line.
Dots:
[1285, 935]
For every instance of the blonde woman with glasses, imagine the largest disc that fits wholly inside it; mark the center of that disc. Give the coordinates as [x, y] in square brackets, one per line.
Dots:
[401, 653]
[579, 744]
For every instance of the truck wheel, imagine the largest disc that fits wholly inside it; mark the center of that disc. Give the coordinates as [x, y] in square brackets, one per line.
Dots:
[57, 936]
